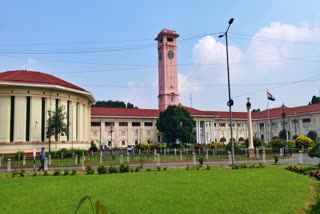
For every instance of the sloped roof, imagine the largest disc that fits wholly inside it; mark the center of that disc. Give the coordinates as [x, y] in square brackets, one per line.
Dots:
[124, 112]
[35, 77]
[289, 111]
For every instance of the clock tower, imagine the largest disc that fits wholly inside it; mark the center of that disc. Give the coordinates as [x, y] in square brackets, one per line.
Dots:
[167, 69]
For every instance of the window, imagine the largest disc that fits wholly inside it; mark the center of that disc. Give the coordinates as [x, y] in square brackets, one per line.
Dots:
[28, 119]
[12, 119]
[123, 123]
[222, 125]
[169, 39]
[108, 124]
[148, 123]
[136, 124]
[123, 143]
[172, 98]
[95, 123]
[306, 120]
[215, 124]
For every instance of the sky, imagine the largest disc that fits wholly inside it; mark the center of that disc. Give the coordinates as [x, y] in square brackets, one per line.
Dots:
[108, 48]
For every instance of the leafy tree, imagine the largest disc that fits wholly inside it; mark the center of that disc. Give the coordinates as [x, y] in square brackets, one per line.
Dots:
[315, 151]
[303, 141]
[256, 142]
[113, 104]
[313, 135]
[256, 110]
[176, 123]
[56, 124]
[283, 134]
[277, 143]
[314, 100]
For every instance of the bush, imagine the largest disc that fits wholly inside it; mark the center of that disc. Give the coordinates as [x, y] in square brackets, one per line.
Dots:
[34, 174]
[208, 167]
[187, 167]
[66, 172]
[73, 172]
[101, 170]
[14, 173]
[45, 173]
[89, 170]
[315, 208]
[276, 159]
[313, 135]
[56, 172]
[123, 168]
[22, 171]
[303, 141]
[137, 169]
[19, 155]
[158, 168]
[201, 159]
[93, 147]
[277, 143]
[112, 169]
[236, 147]
[148, 170]
[315, 151]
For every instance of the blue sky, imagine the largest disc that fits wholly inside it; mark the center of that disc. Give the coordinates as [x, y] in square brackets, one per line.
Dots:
[108, 48]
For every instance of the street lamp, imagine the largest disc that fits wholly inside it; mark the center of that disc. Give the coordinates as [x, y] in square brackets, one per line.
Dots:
[283, 116]
[230, 101]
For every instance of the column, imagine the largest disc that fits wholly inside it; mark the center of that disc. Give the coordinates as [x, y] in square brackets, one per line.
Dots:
[212, 137]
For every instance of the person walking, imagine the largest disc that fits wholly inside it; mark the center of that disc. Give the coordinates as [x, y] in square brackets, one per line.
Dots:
[42, 159]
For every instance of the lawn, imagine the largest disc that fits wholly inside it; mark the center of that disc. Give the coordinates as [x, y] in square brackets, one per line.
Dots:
[259, 190]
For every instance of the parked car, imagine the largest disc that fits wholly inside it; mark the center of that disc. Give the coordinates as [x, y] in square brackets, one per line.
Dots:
[104, 147]
[130, 148]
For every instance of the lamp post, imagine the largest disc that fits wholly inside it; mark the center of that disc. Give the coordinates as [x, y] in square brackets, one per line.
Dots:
[111, 130]
[230, 101]
[283, 116]
[295, 124]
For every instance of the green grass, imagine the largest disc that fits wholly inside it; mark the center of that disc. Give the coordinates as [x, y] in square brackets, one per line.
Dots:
[266, 190]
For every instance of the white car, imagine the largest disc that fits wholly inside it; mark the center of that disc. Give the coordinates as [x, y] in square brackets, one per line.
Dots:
[130, 148]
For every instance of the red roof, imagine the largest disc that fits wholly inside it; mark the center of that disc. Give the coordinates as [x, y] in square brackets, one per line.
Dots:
[154, 113]
[34, 77]
[124, 112]
[289, 111]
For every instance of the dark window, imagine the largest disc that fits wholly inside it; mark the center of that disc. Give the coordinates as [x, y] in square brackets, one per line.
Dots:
[222, 125]
[57, 104]
[68, 119]
[28, 119]
[123, 143]
[158, 138]
[136, 124]
[95, 123]
[148, 124]
[12, 119]
[123, 123]
[43, 117]
[306, 120]
[109, 124]
[169, 39]
[160, 40]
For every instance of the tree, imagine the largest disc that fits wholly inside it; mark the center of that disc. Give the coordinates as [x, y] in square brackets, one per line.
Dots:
[313, 135]
[56, 124]
[314, 100]
[113, 104]
[256, 110]
[176, 123]
[303, 141]
[315, 151]
[283, 134]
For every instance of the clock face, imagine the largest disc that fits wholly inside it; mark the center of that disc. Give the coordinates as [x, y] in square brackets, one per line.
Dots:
[160, 55]
[170, 54]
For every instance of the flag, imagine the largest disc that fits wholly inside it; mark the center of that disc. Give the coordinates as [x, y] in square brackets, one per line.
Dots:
[270, 96]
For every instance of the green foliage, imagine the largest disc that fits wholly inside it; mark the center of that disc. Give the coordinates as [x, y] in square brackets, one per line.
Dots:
[124, 168]
[276, 159]
[158, 168]
[56, 172]
[303, 141]
[22, 172]
[99, 207]
[201, 159]
[283, 134]
[66, 172]
[236, 147]
[102, 170]
[313, 135]
[277, 143]
[256, 142]
[314, 151]
[34, 174]
[56, 124]
[19, 154]
[314, 100]
[113, 104]
[208, 167]
[315, 208]
[93, 147]
[187, 167]
[112, 169]
[89, 170]
[176, 123]
[14, 173]
[73, 172]
[148, 169]
[45, 173]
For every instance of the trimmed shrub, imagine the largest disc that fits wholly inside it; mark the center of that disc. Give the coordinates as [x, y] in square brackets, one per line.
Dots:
[34, 174]
[56, 172]
[66, 172]
[303, 141]
[148, 169]
[45, 173]
[158, 168]
[14, 173]
[201, 159]
[89, 170]
[208, 167]
[102, 169]
[73, 172]
[187, 167]
[123, 168]
[22, 171]
[276, 159]
[112, 169]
